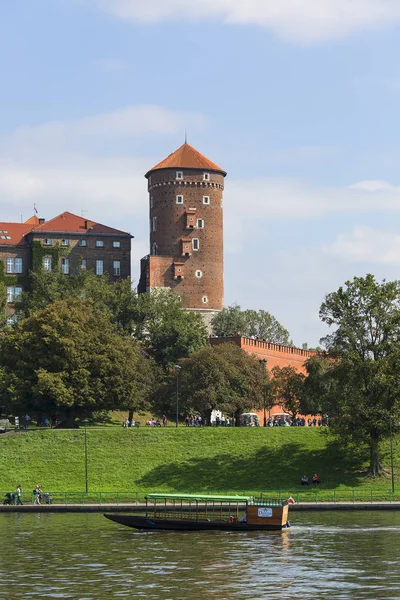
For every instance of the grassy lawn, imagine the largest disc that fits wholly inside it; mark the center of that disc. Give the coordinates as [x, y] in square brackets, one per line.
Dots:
[189, 459]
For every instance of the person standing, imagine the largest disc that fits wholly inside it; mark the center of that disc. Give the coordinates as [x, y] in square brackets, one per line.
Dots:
[19, 492]
[37, 492]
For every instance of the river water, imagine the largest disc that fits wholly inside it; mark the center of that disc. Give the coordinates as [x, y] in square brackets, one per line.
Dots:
[84, 556]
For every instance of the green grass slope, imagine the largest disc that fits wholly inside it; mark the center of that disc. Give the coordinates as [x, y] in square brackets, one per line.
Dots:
[186, 459]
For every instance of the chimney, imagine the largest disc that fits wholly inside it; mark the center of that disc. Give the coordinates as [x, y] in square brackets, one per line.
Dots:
[86, 224]
[42, 221]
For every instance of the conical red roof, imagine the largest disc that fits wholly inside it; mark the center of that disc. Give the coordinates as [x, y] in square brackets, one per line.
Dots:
[186, 157]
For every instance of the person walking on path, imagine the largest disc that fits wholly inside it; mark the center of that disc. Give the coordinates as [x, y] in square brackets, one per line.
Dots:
[37, 492]
[19, 492]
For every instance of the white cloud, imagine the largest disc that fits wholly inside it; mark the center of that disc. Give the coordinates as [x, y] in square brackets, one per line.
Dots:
[288, 199]
[304, 21]
[366, 245]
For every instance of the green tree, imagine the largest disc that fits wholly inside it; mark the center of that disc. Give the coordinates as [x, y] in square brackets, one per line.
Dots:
[359, 383]
[118, 299]
[222, 377]
[70, 359]
[231, 321]
[167, 332]
[288, 388]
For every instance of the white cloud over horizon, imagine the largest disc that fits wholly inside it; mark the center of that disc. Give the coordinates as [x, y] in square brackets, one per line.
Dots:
[299, 21]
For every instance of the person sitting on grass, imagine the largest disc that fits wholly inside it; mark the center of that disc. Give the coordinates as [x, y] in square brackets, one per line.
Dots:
[316, 479]
[304, 480]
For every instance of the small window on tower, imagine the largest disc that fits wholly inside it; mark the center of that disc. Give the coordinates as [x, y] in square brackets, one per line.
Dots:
[151, 201]
[179, 175]
[200, 223]
[195, 244]
[199, 274]
[154, 223]
[204, 299]
[206, 176]
[179, 199]
[206, 199]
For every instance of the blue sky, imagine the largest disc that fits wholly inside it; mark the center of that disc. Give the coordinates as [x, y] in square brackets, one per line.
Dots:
[297, 100]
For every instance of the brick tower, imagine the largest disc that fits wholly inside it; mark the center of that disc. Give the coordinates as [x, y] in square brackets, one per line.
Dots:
[186, 231]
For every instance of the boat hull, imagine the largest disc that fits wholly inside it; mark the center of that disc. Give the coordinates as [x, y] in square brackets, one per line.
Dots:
[150, 523]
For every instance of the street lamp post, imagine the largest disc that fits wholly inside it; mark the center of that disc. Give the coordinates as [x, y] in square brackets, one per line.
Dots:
[85, 422]
[391, 451]
[264, 362]
[177, 369]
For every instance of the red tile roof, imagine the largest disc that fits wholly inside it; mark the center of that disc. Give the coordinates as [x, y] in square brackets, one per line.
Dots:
[186, 157]
[12, 234]
[33, 220]
[69, 223]
[15, 234]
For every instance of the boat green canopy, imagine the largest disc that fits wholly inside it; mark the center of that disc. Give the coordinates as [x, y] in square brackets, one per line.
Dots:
[198, 497]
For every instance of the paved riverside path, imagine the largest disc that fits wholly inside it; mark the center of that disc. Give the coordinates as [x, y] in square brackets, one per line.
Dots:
[101, 508]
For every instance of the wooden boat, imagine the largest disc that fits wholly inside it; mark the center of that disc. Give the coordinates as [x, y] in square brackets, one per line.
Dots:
[195, 512]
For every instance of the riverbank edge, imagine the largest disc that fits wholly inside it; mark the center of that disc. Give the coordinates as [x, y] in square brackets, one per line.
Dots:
[101, 508]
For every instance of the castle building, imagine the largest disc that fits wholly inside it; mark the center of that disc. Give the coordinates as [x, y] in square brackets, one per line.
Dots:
[186, 231]
[67, 243]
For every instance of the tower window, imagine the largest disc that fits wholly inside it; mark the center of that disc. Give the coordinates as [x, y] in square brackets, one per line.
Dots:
[199, 274]
[195, 244]
[200, 223]
[206, 199]
[154, 249]
[206, 176]
[179, 175]
[204, 299]
[151, 201]
[154, 223]
[179, 199]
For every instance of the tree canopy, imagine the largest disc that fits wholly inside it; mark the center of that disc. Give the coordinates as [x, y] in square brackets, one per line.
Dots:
[232, 321]
[222, 377]
[69, 359]
[287, 385]
[357, 383]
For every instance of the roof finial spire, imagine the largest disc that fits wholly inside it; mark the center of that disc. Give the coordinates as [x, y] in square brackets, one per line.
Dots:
[185, 136]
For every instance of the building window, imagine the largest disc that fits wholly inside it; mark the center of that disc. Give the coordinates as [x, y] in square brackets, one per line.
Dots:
[204, 299]
[179, 199]
[206, 199]
[116, 244]
[199, 274]
[83, 264]
[13, 293]
[150, 180]
[195, 244]
[14, 265]
[154, 223]
[64, 242]
[65, 266]
[151, 201]
[206, 176]
[200, 223]
[116, 268]
[47, 242]
[179, 299]
[82, 243]
[99, 244]
[154, 249]
[179, 175]
[99, 267]
[11, 320]
[47, 264]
